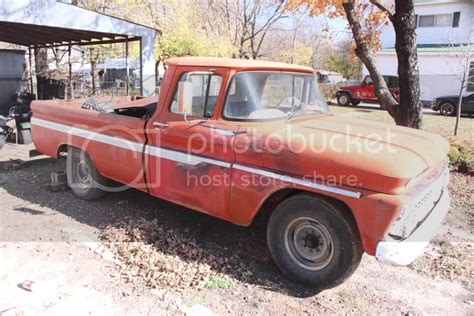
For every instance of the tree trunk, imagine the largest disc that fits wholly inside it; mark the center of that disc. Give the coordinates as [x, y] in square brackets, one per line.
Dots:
[41, 63]
[407, 112]
[386, 99]
[458, 108]
[404, 21]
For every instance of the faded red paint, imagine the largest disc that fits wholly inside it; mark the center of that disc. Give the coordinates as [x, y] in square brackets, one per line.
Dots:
[385, 180]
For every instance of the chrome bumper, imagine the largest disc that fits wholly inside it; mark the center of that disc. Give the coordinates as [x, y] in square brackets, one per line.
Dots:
[406, 251]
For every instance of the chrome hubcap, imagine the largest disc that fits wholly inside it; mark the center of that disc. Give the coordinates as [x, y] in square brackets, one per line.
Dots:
[82, 175]
[447, 109]
[309, 243]
[343, 99]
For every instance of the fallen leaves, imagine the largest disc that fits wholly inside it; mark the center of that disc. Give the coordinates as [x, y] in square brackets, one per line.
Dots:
[453, 261]
[168, 258]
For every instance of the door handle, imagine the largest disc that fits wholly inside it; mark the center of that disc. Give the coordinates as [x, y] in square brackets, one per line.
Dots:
[160, 125]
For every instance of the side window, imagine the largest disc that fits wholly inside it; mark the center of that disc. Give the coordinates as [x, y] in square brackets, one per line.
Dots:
[206, 87]
[392, 82]
[369, 81]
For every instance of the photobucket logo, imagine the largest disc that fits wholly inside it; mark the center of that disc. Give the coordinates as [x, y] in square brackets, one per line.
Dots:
[294, 139]
[123, 152]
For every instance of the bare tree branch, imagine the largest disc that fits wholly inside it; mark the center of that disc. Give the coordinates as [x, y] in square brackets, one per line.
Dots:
[382, 8]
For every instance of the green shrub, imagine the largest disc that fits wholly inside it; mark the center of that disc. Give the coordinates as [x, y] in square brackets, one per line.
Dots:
[461, 158]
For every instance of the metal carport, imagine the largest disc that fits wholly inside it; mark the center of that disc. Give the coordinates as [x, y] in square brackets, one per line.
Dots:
[49, 23]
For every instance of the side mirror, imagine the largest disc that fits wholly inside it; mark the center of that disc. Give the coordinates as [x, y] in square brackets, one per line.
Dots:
[185, 97]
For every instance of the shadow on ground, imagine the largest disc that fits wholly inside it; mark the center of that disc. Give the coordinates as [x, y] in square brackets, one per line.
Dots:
[212, 236]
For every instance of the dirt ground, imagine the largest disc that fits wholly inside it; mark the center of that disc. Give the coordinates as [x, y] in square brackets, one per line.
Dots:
[129, 253]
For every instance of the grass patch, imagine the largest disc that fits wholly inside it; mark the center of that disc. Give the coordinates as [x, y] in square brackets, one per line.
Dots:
[217, 282]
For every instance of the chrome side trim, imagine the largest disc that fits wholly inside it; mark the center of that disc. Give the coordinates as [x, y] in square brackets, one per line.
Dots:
[182, 157]
[302, 182]
[102, 138]
[127, 144]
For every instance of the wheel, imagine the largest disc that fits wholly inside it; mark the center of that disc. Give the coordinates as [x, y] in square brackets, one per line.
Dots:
[313, 241]
[343, 99]
[447, 109]
[355, 102]
[82, 176]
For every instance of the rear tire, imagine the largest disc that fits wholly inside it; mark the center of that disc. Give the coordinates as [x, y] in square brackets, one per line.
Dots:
[447, 109]
[82, 177]
[344, 99]
[314, 241]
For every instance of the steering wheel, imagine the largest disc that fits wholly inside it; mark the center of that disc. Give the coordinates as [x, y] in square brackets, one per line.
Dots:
[293, 99]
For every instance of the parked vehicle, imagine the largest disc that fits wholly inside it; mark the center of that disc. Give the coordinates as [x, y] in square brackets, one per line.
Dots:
[232, 138]
[448, 105]
[365, 92]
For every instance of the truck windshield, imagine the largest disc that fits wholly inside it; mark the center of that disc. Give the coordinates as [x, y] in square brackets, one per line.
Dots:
[271, 95]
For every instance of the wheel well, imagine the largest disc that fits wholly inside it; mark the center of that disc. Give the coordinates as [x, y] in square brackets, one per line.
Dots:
[349, 93]
[441, 103]
[62, 149]
[279, 196]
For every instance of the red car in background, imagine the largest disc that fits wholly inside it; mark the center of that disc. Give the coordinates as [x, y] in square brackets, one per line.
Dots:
[365, 91]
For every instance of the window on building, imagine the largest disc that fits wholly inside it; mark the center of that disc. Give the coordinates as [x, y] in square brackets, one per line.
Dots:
[470, 80]
[439, 20]
[426, 20]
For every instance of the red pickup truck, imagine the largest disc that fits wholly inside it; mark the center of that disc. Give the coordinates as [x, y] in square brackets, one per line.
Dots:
[365, 92]
[232, 138]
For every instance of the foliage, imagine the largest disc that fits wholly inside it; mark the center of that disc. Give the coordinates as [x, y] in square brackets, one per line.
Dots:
[329, 90]
[461, 158]
[217, 282]
[178, 42]
[369, 15]
[344, 61]
[300, 54]
[365, 18]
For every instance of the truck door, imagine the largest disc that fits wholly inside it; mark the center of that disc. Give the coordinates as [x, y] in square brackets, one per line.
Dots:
[190, 154]
[367, 89]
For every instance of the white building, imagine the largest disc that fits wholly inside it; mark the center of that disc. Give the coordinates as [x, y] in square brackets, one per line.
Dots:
[444, 29]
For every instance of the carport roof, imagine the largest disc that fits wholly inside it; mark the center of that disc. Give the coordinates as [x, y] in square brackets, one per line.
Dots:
[40, 35]
[51, 23]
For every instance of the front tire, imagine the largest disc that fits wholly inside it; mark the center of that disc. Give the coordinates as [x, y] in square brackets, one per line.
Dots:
[82, 177]
[344, 99]
[314, 241]
[447, 109]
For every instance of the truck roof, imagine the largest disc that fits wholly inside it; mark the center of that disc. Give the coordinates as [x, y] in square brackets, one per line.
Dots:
[237, 64]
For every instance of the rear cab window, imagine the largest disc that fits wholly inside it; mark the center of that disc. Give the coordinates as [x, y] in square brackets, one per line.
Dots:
[206, 87]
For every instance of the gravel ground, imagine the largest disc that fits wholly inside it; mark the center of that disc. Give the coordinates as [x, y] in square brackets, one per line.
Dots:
[157, 257]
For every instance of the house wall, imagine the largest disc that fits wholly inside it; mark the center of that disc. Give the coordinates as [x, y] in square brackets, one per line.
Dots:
[439, 35]
[439, 73]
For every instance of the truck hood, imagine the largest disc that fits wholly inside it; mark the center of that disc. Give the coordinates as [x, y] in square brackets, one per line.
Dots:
[348, 88]
[366, 154]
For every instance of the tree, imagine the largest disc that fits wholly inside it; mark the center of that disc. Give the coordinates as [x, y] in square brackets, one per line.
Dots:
[246, 22]
[344, 61]
[464, 54]
[364, 18]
